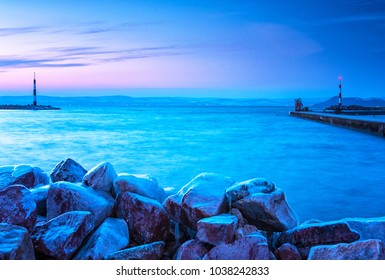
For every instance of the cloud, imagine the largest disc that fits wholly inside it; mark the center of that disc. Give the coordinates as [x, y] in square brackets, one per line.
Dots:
[28, 63]
[353, 19]
[11, 31]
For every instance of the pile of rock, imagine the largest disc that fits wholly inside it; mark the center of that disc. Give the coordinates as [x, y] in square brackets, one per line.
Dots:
[99, 214]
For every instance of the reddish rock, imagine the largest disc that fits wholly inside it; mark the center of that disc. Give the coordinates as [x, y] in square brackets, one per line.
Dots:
[246, 188]
[64, 197]
[112, 235]
[250, 247]
[372, 249]
[142, 184]
[68, 170]
[152, 251]
[245, 230]
[287, 251]
[17, 207]
[25, 175]
[267, 211]
[62, 236]
[241, 220]
[203, 197]
[192, 250]
[319, 234]
[40, 195]
[15, 243]
[217, 230]
[146, 218]
[101, 177]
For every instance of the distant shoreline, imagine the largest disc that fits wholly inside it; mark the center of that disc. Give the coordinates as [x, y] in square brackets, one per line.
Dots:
[28, 107]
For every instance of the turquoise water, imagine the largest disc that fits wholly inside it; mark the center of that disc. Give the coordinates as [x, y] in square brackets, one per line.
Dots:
[325, 171]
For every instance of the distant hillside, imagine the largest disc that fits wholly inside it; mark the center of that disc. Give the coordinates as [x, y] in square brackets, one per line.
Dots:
[369, 102]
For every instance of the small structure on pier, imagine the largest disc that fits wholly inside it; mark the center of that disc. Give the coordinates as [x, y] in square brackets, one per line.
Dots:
[34, 90]
[299, 105]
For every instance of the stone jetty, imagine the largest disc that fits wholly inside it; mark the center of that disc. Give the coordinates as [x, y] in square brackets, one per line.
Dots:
[72, 213]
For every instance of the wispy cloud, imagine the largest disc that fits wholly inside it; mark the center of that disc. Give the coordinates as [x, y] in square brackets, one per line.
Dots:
[11, 31]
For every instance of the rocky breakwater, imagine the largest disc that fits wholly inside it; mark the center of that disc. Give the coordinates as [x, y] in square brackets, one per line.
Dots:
[76, 214]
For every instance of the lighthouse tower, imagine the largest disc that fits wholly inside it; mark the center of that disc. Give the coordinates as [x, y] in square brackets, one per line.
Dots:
[340, 94]
[34, 90]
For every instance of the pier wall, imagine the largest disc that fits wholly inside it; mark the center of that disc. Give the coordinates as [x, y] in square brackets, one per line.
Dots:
[377, 128]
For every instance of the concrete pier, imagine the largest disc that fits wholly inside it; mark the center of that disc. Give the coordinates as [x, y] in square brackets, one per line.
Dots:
[374, 127]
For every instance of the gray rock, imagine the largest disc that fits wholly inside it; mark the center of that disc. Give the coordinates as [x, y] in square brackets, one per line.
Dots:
[146, 218]
[202, 197]
[40, 195]
[192, 250]
[243, 189]
[112, 235]
[152, 251]
[68, 170]
[15, 243]
[101, 177]
[245, 230]
[17, 207]
[25, 175]
[62, 236]
[217, 230]
[368, 228]
[372, 249]
[267, 211]
[64, 197]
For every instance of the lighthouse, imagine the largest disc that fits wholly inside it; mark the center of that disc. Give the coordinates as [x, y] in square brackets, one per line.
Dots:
[34, 90]
[340, 94]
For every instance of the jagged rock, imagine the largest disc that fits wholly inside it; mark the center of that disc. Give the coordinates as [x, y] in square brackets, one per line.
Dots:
[101, 177]
[64, 197]
[25, 175]
[372, 249]
[319, 234]
[287, 251]
[112, 235]
[142, 184]
[192, 250]
[152, 251]
[267, 211]
[368, 228]
[202, 197]
[146, 218]
[15, 243]
[217, 230]
[241, 220]
[243, 189]
[250, 247]
[62, 236]
[245, 230]
[68, 170]
[40, 194]
[17, 207]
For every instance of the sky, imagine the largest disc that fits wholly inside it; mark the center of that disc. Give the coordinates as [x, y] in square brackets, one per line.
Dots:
[219, 48]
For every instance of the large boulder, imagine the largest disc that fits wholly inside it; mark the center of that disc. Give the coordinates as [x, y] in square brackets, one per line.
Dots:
[202, 197]
[112, 235]
[68, 170]
[192, 250]
[40, 194]
[152, 251]
[243, 189]
[142, 184]
[146, 218]
[64, 197]
[372, 249]
[368, 228]
[101, 177]
[217, 230]
[267, 211]
[319, 234]
[15, 243]
[25, 175]
[62, 236]
[17, 207]
[250, 247]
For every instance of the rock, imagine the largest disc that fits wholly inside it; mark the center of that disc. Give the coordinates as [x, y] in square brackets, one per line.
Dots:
[40, 194]
[112, 235]
[202, 197]
[62, 236]
[101, 177]
[41, 177]
[192, 250]
[152, 251]
[319, 234]
[246, 188]
[267, 211]
[15, 243]
[25, 175]
[217, 230]
[64, 197]
[250, 247]
[17, 207]
[241, 220]
[142, 184]
[372, 249]
[68, 170]
[245, 230]
[146, 218]
[368, 228]
[288, 251]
